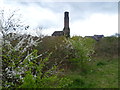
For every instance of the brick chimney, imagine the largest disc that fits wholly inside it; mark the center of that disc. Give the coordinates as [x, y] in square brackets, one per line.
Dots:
[66, 28]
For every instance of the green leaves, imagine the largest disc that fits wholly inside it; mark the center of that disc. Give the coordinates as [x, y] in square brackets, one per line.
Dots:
[47, 79]
[83, 49]
[29, 81]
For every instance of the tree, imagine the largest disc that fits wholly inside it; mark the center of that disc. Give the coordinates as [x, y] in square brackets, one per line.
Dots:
[11, 21]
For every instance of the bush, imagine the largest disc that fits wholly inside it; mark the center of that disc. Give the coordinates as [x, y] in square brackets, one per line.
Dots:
[60, 48]
[30, 62]
[83, 49]
[67, 53]
[25, 68]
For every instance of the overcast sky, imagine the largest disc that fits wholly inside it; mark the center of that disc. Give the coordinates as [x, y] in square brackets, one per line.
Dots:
[86, 18]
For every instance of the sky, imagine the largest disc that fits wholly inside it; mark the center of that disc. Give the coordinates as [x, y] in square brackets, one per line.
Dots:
[86, 18]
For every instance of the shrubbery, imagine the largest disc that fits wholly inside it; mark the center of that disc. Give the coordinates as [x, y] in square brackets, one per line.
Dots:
[67, 53]
[30, 62]
[33, 62]
[107, 47]
[83, 49]
[23, 67]
[60, 48]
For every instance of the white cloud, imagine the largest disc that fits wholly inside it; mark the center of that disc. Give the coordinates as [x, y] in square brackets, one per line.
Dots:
[98, 23]
[39, 16]
[1, 2]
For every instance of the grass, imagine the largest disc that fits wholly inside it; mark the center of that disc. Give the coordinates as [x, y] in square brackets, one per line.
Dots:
[102, 74]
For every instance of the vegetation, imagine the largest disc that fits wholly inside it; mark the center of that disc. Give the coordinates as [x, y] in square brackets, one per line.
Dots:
[107, 47]
[58, 62]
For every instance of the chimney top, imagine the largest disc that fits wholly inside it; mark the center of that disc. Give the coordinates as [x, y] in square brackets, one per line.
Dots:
[66, 12]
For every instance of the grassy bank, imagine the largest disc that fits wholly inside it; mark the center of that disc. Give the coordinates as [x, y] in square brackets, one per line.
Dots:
[102, 74]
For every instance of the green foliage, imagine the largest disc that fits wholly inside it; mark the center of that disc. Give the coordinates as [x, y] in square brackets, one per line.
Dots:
[67, 52]
[83, 49]
[46, 82]
[60, 48]
[107, 47]
[28, 81]
[48, 79]
[56, 62]
[29, 70]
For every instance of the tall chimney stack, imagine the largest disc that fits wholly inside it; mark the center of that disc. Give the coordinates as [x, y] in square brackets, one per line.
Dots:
[66, 28]
[66, 19]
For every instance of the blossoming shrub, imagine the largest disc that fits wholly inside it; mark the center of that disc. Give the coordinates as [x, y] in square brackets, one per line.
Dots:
[34, 62]
[23, 67]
